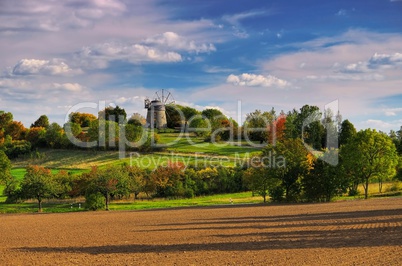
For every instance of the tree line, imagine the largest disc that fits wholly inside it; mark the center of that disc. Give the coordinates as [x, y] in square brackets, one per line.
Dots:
[303, 139]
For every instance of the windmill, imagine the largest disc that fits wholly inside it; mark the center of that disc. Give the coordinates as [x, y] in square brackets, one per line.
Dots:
[156, 114]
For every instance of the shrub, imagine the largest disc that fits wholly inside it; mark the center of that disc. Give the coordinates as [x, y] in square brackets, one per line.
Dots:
[353, 192]
[277, 193]
[94, 201]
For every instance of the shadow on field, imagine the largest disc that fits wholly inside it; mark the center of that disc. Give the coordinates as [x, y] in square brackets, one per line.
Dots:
[322, 230]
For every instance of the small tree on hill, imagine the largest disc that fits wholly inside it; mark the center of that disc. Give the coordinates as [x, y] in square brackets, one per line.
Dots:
[42, 121]
[38, 183]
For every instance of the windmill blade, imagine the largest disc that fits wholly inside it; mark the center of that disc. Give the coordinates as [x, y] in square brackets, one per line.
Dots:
[157, 96]
[167, 97]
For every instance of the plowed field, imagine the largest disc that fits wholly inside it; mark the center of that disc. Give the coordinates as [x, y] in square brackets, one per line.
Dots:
[342, 233]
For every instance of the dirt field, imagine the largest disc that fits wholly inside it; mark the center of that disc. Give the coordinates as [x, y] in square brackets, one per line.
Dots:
[342, 233]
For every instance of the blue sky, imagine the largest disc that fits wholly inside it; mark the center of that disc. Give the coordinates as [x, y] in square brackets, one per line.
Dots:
[232, 55]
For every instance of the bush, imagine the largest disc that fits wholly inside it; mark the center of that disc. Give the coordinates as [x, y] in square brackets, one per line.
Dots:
[353, 192]
[189, 193]
[276, 194]
[94, 201]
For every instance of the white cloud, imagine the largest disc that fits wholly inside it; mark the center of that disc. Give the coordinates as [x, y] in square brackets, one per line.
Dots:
[166, 47]
[46, 15]
[73, 87]
[236, 18]
[376, 62]
[42, 67]
[252, 80]
[99, 56]
[384, 126]
[341, 12]
[392, 111]
[179, 43]
[391, 60]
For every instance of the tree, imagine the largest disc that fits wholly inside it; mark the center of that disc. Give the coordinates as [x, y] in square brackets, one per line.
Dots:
[108, 181]
[211, 113]
[276, 131]
[257, 124]
[137, 119]
[261, 180]
[219, 125]
[137, 180]
[346, 132]
[369, 154]
[305, 124]
[42, 121]
[115, 114]
[54, 135]
[38, 183]
[72, 127]
[289, 161]
[37, 137]
[167, 180]
[105, 132]
[5, 170]
[16, 130]
[324, 181]
[188, 112]
[82, 119]
[5, 119]
[173, 116]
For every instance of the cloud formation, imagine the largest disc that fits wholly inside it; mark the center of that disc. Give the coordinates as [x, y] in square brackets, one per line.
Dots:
[163, 48]
[179, 43]
[252, 80]
[54, 16]
[42, 67]
[377, 62]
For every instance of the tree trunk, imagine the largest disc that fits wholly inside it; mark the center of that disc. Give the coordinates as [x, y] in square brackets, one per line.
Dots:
[380, 185]
[366, 188]
[107, 201]
[265, 197]
[39, 205]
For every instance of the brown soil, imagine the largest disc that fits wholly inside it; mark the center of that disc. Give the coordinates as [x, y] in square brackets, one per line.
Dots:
[343, 233]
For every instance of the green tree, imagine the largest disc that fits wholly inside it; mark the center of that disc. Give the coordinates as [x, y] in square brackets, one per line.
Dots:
[324, 181]
[38, 183]
[137, 179]
[289, 161]
[5, 170]
[109, 181]
[257, 124]
[5, 119]
[306, 124]
[115, 114]
[346, 132]
[54, 135]
[105, 132]
[261, 180]
[37, 137]
[173, 116]
[369, 154]
[42, 121]
[211, 113]
[74, 128]
[82, 119]
[137, 119]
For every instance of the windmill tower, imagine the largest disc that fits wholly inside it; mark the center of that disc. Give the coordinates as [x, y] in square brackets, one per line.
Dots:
[156, 114]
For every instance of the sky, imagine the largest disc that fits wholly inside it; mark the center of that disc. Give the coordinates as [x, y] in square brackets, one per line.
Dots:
[237, 56]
